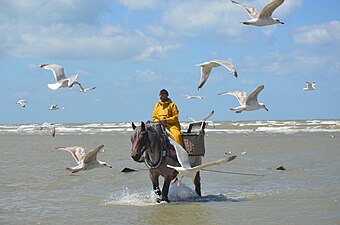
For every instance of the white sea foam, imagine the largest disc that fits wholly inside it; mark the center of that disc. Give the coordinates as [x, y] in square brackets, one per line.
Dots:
[126, 198]
[236, 127]
[180, 193]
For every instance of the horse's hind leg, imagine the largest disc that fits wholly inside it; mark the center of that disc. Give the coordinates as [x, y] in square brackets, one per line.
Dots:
[197, 183]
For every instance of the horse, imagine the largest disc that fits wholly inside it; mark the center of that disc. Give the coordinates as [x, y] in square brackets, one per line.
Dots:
[150, 145]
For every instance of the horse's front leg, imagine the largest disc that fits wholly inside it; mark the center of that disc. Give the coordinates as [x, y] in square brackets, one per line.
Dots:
[165, 189]
[155, 184]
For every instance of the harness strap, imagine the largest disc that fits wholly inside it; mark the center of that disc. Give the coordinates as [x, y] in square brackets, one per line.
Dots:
[167, 150]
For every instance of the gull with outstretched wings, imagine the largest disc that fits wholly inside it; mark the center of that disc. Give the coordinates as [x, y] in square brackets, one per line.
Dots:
[193, 97]
[264, 17]
[310, 86]
[59, 75]
[185, 170]
[85, 161]
[22, 102]
[206, 68]
[247, 103]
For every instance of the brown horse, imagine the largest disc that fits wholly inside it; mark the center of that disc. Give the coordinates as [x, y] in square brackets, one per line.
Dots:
[150, 145]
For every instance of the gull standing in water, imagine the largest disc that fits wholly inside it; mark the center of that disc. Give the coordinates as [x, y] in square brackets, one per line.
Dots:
[247, 103]
[185, 169]
[206, 68]
[22, 102]
[263, 18]
[310, 86]
[85, 161]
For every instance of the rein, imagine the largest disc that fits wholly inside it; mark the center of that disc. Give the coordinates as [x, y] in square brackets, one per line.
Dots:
[162, 154]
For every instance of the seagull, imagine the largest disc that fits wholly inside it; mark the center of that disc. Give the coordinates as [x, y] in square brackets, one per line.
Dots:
[185, 170]
[247, 103]
[54, 107]
[310, 86]
[85, 161]
[208, 116]
[59, 75]
[22, 102]
[50, 126]
[205, 119]
[263, 18]
[206, 68]
[82, 89]
[193, 97]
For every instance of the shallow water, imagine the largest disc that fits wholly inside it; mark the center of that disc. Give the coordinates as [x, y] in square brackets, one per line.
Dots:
[36, 189]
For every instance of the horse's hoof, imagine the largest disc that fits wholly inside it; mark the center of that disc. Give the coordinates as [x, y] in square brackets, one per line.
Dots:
[158, 192]
[160, 200]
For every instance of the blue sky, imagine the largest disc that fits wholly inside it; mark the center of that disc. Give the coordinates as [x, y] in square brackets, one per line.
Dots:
[130, 49]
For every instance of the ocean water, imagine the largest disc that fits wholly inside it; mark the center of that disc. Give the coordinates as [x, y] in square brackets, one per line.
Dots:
[36, 189]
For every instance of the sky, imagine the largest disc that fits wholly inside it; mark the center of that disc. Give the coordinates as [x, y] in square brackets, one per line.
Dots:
[131, 49]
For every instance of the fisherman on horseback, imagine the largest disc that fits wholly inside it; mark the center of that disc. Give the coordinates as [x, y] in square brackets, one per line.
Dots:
[165, 112]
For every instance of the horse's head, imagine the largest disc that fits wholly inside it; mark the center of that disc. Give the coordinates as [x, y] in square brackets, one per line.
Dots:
[139, 141]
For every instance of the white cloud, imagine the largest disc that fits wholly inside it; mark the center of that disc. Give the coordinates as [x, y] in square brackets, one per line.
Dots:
[57, 11]
[147, 76]
[193, 17]
[70, 30]
[296, 63]
[319, 34]
[79, 42]
[154, 52]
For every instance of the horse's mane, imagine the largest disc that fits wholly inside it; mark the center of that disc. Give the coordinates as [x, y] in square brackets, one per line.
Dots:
[154, 127]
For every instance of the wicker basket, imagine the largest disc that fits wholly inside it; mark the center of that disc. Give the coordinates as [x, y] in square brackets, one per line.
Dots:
[194, 143]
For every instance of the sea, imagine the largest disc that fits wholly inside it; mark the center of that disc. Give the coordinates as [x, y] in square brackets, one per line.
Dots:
[35, 188]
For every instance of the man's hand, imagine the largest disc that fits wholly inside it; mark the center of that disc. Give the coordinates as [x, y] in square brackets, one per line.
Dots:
[162, 122]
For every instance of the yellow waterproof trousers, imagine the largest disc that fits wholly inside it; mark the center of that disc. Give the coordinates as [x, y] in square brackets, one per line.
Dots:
[175, 133]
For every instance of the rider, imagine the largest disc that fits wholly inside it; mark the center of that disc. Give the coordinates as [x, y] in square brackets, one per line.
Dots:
[165, 112]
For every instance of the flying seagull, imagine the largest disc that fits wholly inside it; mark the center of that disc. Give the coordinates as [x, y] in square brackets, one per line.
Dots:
[54, 107]
[247, 103]
[22, 102]
[204, 119]
[310, 86]
[82, 89]
[206, 68]
[193, 97]
[85, 161]
[59, 75]
[185, 169]
[263, 18]
[208, 116]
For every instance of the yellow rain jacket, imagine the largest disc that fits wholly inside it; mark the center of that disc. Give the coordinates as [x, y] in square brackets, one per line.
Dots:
[168, 111]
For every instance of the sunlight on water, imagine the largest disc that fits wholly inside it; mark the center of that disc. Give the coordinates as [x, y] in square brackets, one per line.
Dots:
[183, 194]
[137, 199]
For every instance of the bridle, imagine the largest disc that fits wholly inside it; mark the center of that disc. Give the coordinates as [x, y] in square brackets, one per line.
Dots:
[162, 152]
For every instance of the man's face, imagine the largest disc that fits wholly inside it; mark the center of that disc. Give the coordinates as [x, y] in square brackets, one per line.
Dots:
[163, 96]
